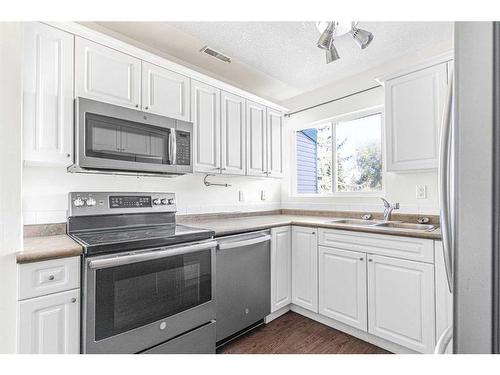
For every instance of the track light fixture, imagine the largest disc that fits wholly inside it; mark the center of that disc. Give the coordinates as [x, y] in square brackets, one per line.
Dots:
[333, 29]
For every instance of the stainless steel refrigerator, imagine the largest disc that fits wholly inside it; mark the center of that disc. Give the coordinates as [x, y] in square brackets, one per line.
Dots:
[471, 219]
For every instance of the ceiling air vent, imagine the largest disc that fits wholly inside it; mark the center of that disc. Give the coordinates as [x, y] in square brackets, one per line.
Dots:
[214, 53]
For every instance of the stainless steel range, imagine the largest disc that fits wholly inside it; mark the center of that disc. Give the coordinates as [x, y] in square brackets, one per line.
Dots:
[148, 284]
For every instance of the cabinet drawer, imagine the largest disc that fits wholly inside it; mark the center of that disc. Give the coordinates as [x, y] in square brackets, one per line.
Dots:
[419, 249]
[50, 276]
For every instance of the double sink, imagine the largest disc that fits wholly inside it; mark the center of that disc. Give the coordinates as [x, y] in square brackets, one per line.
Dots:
[389, 225]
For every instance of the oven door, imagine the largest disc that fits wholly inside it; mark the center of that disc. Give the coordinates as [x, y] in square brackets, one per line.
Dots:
[134, 301]
[114, 138]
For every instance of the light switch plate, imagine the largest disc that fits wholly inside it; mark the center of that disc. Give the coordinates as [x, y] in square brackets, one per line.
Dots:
[421, 191]
[262, 195]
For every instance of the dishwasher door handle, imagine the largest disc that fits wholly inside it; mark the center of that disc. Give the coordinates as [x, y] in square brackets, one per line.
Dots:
[251, 241]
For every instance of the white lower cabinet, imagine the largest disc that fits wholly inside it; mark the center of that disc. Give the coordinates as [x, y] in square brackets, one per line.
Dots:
[305, 268]
[281, 267]
[401, 302]
[342, 286]
[50, 324]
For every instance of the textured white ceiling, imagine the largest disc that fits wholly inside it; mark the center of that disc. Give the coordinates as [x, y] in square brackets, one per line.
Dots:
[280, 59]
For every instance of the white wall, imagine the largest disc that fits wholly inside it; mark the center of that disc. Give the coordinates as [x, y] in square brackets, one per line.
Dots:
[399, 187]
[10, 179]
[45, 192]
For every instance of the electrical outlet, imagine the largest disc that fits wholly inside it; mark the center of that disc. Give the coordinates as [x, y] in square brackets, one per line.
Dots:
[262, 195]
[241, 197]
[421, 191]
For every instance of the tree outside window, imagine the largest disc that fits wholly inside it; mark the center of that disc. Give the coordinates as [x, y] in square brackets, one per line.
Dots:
[341, 157]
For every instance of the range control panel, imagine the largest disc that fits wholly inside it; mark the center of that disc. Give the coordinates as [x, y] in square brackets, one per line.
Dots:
[107, 203]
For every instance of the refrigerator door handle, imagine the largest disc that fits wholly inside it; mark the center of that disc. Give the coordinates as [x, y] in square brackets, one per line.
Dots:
[444, 186]
[444, 340]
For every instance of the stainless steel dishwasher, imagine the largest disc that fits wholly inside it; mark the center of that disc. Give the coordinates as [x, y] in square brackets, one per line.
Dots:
[243, 282]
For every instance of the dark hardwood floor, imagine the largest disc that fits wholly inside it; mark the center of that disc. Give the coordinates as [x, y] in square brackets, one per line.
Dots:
[292, 333]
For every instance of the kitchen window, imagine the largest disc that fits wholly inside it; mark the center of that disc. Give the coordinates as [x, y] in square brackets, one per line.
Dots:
[341, 156]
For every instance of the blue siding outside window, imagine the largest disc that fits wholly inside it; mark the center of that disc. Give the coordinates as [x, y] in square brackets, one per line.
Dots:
[307, 170]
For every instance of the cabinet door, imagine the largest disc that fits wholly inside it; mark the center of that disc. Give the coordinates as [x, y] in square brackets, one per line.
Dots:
[233, 136]
[281, 267]
[107, 75]
[50, 324]
[305, 268]
[274, 143]
[165, 92]
[342, 286]
[47, 95]
[256, 140]
[205, 107]
[401, 302]
[444, 298]
[413, 111]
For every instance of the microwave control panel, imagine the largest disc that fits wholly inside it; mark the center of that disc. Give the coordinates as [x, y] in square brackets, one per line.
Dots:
[183, 153]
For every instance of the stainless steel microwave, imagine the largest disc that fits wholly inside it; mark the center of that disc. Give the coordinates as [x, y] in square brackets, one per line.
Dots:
[110, 138]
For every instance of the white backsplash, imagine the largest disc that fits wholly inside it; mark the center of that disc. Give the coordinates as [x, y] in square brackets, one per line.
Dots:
[45, 192]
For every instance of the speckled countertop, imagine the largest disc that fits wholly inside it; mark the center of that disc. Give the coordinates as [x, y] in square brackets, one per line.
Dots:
[59, 245]
[233, 225]
[48, 247]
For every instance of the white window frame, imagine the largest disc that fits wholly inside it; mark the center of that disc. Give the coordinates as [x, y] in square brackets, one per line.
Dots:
[333, 122]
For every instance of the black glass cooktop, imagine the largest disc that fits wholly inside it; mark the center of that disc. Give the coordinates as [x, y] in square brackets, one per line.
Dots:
[117, 240]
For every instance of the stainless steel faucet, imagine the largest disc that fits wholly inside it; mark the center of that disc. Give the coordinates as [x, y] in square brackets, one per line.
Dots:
[388, 208]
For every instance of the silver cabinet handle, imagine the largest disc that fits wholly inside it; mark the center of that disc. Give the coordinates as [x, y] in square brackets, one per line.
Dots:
[73, 300]
[361, 259]
[146, 108]
[444, 187]
[137, 106]
[150, 255]
[444, 341]
[252, 241]
[370, 260]
[51, 277]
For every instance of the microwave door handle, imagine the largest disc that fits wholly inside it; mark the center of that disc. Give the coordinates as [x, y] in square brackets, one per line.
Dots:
[150, 255]
[173, 146]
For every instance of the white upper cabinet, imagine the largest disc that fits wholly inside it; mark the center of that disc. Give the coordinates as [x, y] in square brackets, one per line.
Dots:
[165, 92]
[107, 75]
[256, 139]
[50, 324]
[401, 302]
[281, 267]
[274, 143]
[342, 286]
[47, 95]
[205, 115]
[305, 268]
[413, 114]
[233, 134]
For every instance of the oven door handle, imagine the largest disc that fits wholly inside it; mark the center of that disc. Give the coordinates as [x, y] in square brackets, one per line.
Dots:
[150, 255]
